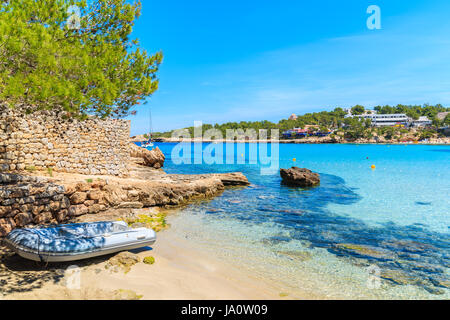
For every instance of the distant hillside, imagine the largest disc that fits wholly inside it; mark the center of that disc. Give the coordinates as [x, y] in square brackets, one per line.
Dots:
[327, 119]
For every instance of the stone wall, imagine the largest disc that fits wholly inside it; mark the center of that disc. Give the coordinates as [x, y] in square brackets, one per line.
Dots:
[44, 140]
[28, 200]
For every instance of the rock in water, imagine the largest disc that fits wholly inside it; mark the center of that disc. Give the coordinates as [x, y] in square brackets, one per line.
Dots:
[300, 177]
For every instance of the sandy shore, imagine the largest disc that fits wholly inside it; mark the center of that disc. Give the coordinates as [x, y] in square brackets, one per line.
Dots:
[180, 272]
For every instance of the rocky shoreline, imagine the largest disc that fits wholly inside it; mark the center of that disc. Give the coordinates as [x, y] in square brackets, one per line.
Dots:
[140, 199]
[37, 199]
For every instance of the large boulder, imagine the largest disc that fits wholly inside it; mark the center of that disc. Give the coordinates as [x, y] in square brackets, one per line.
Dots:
[152, 158]
[300, 177]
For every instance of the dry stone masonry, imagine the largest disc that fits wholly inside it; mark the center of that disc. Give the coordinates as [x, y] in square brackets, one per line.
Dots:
[30, 200]
[27, 201]
[46, 141]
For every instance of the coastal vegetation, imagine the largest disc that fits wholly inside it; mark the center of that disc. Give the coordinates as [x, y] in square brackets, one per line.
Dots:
[155, 221]
[50, 171]
[30, 168]
[77, 56]
[336, 121]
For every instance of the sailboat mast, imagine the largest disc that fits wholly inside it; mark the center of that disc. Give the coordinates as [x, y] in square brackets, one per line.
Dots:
[151, 123]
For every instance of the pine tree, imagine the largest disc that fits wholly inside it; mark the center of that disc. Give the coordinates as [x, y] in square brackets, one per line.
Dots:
[75, 56]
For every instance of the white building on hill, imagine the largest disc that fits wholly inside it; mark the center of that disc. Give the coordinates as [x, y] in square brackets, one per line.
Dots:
[421, 122]
[385, 120]
[391, 120]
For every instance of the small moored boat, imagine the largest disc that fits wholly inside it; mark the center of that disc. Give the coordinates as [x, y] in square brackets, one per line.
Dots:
[77, 241]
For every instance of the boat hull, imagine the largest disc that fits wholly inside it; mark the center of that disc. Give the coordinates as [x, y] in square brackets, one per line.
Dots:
[74, 242]
[64, 257]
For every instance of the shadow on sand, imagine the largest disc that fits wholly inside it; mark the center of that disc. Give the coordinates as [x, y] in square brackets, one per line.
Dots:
[18, 275]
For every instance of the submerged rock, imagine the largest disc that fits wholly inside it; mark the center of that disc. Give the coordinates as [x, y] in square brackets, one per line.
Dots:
[427, 268]
[363, 251]
[296, 255]
[398, 277]
[434, 290]
[300, 177]
[297, 212]
[265, 197]
[275, 240]
[440, 282]
[408, 246]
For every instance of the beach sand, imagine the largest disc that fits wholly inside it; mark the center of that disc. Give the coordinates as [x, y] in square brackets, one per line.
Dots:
[180, 272]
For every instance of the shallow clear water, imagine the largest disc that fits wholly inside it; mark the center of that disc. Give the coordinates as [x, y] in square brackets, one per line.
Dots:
[362, 233]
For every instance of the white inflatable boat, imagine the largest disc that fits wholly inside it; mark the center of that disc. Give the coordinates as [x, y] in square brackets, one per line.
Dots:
[77, 241]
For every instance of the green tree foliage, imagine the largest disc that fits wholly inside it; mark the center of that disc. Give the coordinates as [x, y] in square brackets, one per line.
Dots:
[356, 128]
[426, 134]
[414, 111]
[87, 64]
[357, 110]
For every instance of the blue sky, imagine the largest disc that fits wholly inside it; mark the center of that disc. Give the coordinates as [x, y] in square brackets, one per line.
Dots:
[264, 60]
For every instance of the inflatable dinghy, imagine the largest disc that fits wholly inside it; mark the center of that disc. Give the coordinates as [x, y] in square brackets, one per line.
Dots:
[77, 241]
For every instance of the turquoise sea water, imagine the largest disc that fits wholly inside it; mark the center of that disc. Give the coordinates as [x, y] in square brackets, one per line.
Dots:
[362, 233]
